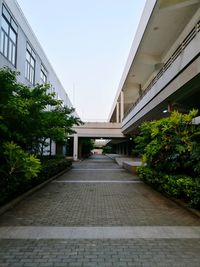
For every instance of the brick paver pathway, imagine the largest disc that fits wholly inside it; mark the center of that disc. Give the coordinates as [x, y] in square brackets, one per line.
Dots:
[97, 214]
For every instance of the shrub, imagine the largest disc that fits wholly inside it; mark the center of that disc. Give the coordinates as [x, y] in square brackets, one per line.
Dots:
[171, 144]
[19, 163]
[15, 183]
[51, 167]
[107, 149]
[179, 186]
[17, 170]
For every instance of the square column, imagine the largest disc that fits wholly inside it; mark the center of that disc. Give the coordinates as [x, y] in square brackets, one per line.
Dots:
[117, 112]
[75, 152]
[121, 106]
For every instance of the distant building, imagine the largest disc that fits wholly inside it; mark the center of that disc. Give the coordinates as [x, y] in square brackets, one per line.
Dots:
[21, 51]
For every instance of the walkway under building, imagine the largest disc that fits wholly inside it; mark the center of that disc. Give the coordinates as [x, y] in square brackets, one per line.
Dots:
[100, 130]
[97, 214]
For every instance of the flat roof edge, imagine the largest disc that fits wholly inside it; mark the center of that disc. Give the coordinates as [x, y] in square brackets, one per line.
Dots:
[146, 14]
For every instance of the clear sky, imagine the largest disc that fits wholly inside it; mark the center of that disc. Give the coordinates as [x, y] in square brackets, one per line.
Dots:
[87, 43]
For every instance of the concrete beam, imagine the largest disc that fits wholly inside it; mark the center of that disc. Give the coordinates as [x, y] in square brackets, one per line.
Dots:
[176, 4]
[148, 59]
[99, 129]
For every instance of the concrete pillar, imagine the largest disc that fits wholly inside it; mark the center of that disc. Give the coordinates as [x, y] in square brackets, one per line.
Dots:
[117, 148]
[169, 107]
[75, 153]
[140, 89]
[123, 145]
[127, 146]
[117, 112]
[122, 106]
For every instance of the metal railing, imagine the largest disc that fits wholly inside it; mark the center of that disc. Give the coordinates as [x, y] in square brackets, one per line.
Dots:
[177, 52]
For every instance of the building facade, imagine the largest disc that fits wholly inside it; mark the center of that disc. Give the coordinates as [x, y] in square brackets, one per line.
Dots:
[162, 72]
[20, 50]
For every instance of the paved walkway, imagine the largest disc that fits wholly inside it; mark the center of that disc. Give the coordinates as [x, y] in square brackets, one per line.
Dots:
[97, 214]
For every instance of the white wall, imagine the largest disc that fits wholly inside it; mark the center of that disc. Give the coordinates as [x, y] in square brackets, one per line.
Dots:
[25, 34]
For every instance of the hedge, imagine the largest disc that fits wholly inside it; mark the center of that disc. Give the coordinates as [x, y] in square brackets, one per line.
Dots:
[16, 186]
[179, 186]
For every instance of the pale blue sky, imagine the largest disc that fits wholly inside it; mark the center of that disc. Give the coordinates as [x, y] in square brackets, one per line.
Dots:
[87, 43]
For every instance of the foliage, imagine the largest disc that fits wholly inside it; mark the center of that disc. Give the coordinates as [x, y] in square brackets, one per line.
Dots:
[30, 119]
[179, 186]
[107, 149]
[19, 185]
[24, 117]
[19, 162]
[87, 146]
[170, 148]
[56, 125]
[171, 144]
[51, 167]
[17, 170]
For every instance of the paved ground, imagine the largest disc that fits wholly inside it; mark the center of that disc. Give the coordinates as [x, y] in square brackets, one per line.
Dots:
[97, 214]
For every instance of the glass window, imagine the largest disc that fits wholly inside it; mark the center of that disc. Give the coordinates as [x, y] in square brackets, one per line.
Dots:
[6, 14]
[2, 43]
[5, 25]
[8, 36]
[14, 25]
[30, 64]
[13, 36]
[43, 74]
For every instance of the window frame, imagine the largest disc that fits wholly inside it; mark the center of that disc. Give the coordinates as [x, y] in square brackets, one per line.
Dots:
[43, 74]
[8, 47]
[29, 67]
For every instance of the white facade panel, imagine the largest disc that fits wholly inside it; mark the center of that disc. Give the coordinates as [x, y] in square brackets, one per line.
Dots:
[25, 34]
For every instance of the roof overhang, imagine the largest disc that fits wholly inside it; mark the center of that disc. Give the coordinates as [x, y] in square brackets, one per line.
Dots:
[161, 25]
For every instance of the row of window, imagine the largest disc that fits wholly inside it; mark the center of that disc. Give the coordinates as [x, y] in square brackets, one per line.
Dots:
[8, 48]
[8, 36]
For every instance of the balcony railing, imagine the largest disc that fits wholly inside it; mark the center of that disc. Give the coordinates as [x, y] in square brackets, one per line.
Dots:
[168, 63]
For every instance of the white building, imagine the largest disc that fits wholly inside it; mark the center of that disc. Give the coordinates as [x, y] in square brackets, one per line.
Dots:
[163, 68]
[20, 50]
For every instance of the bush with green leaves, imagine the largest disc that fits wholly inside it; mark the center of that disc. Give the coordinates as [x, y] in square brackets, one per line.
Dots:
[53, 166]
[30, 119]
[171, 144]
[170, 149]
[87, 145]
[22, 171]
[19, 163]
[16, 171]
[179, 186]
[107, 149]
[24, 117]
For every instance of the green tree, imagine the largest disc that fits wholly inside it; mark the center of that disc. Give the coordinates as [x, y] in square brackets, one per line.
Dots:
[25, 126]
[57, 125]
[21, 109]
[24, 118]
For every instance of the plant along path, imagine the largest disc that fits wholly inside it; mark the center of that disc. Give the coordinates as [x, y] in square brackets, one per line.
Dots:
[97, 214]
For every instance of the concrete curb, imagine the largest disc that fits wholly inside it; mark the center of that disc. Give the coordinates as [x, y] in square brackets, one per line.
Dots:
[131, 166]
[16, 200]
